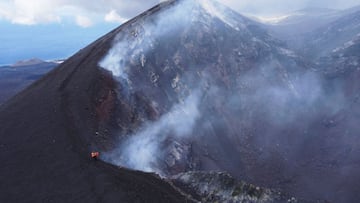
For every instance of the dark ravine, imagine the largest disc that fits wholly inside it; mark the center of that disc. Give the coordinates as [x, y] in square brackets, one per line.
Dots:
[185, 86]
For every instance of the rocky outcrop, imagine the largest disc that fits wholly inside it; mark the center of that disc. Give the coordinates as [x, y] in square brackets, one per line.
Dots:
[221, 187]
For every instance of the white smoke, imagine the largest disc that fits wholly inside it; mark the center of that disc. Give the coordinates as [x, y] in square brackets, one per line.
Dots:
[142, 150]
[140, 36]
[113, 61]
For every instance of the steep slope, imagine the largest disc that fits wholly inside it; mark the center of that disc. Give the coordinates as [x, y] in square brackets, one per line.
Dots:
[293, 25]
[344, 59]
[47, 132]
[343, 66]
[201, 87]
[316, 38]
[204, 55]
[329, 37]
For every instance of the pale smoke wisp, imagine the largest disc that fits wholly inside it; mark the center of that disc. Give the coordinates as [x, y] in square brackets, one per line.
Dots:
[143, 35]
[142, 151]
[140, 38]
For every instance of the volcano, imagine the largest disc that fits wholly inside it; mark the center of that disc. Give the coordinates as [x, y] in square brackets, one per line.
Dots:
[185, 86]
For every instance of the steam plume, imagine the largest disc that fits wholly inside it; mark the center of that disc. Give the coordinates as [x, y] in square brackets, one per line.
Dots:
[142, 150]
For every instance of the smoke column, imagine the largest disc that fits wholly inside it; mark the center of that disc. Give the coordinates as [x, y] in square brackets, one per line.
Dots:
[142, 151]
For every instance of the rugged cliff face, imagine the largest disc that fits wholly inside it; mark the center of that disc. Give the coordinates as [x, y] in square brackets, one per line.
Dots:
[203, 88]
[323, 41]
[193, 73]
[221, 187]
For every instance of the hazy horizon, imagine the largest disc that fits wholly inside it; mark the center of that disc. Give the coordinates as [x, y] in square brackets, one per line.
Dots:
[32, 28]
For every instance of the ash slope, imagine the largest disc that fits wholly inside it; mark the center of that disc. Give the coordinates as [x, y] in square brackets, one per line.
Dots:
[48, 130]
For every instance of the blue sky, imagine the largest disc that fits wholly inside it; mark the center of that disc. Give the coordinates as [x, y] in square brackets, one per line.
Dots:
[50, 29]
[50, 41]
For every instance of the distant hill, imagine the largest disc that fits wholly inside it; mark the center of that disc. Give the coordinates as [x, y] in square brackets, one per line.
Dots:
[17, 77]
[28, 62]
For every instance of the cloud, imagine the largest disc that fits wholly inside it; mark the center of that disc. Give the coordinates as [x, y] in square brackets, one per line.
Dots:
[142, 151]
[83, 21]
[54, 11]
[114, 17]
[28, 12]
[82, 12]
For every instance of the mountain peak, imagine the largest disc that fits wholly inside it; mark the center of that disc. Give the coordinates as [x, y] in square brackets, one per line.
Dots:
[167, 60]
[181, 20]
[212, 8]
